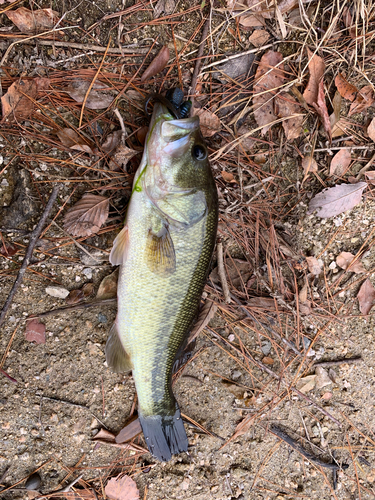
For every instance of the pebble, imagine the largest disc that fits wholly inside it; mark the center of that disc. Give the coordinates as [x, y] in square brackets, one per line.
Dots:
[236, 375]
[88, 272]
[266, 348]
[102, 318]
[57, 291]
[231, 337]
[33, 482]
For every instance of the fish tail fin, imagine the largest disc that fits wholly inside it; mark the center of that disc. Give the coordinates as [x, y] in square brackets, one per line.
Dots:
[165, 434]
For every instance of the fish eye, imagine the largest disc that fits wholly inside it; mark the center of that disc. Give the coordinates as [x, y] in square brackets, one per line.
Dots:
[199, 152]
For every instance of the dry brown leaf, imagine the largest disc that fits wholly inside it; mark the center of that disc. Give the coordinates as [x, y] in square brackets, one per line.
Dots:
[76, 296]
[327, 396]
[121, 157]
[366, 297]
[35, 331]
[18, 102]
[259, 38]
[122, 488]
[321, 108]
[344, 259]
[141, 134]
[9, 249]
[166, 6]
[306, 384]
[33, 21]
[340, 163]
[314, 265]
[87, 216]
[108, 286]
[205, 316]
[370, 176]
[268, 79]
[371, 130]
[227, 176]
[129, 432]
[112, 141]
[316, 69]
[157, 65]
[98, 98]
[309, 164]
[209, 122]
[238, 272]
[302, 295]
[267, 303]
[104, 435]
[71, 139]
[336, 200]
[335, 115]
[348, 21]
[305, 308]
[246, 143]
[365, 98]
[286, 106]
[268, 361]
[346, 89]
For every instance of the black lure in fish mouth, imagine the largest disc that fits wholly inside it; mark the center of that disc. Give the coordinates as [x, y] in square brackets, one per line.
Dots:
[173, 101]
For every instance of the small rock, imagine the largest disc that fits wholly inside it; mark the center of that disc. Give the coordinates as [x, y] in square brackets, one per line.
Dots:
[88, 272]
[322, 378]
[57, 291]
[231, 337]
[102, 318]
[266, 348]
[236, 375]
[33, 482]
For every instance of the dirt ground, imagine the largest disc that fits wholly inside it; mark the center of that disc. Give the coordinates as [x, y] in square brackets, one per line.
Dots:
[247, 378]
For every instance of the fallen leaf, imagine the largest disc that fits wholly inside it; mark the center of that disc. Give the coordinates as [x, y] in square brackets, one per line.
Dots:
[370, 176]
[227, 176]
[122, 488]
[335, 115]
[336, 200]
[327, 396]
[348, 21]
[309, 164]
[33, 21]
[205, 316]
[71, 139]
[268, 79]
[235, 69]
[87, 216]
[268, 361]
[252, 12]
[321, 109]
[157, 65]
[332, 375]
[98, 98]
[365, 98]
[346, 89]
[314, 265]
[259, 38]
[129, 432]
[121, 157]
[76, 296]
[286, 106]
[344, 259]
[9, 249]
[166, 6]
[18, 102]
[247, 143]
[111, 142]
[302, 295]
[105, 435]
[316, 69]
[267, 303]
[340, 163]
[366, 297]
[35, 331]
[108, 286]
[306, 384]
[322, 378]
[209, 122]
[371, 130]
[305, 308]
[238, 272]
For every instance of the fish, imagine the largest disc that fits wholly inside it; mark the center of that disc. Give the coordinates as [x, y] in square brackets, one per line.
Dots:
[164, 251]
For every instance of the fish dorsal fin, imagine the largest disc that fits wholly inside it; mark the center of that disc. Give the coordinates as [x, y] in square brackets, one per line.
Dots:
[160, 253]
[118, 360]
[119, 250]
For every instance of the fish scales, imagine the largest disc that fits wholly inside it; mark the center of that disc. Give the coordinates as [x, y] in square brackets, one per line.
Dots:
[164, 250]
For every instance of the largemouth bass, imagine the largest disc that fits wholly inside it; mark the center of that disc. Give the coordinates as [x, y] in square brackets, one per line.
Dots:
[164, 252]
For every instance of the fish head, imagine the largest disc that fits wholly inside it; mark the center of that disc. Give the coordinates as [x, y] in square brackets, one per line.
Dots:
[176, 154]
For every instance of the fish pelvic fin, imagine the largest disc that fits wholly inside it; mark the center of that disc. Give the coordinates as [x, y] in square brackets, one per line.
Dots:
[118, 360]
[160, 253]
[165, 435]
[119, 250]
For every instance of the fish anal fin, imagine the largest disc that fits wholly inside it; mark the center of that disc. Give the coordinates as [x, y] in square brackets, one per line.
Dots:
[119, 250]
[117, 358]
[160, 253]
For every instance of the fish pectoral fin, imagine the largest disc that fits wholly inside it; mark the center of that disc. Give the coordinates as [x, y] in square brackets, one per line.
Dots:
[160, 253]
[119, 250]
[118, 360]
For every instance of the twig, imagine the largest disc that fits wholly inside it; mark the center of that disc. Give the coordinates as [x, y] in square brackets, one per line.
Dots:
[349, 361]
[33, 239]
[81, 247]
[365, 168]
[221, 270]
[85, 305]
[62, 490]
[235, 56]
[198, 62]
[56, 400]
[319, 408]
[296, 446]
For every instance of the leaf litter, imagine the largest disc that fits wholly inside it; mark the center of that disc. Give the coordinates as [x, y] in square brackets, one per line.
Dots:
[87, 216]
[336, 200]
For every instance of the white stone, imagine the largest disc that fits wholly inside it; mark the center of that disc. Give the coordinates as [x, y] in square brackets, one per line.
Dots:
[57, 291]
